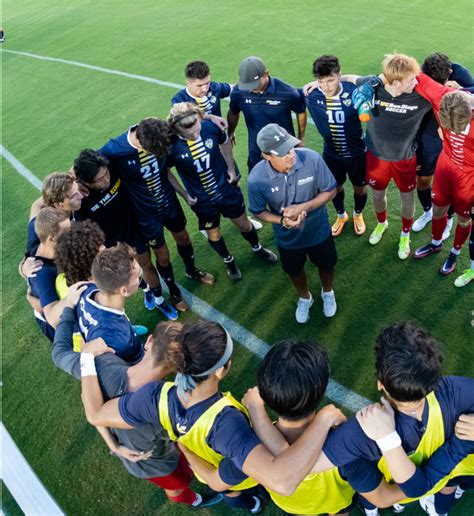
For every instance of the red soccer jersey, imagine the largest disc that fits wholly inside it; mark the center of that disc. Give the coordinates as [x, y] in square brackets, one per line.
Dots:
[458, 147]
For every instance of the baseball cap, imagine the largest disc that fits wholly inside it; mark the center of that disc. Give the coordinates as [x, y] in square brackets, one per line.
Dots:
[251, 70]
[273, 139]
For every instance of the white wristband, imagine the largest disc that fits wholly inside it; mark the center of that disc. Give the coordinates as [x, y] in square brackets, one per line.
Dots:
[389, 442]
[88, 365]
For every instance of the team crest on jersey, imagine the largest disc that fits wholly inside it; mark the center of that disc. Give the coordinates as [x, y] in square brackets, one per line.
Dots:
[347, 102]
[213, 99]
[209, 143]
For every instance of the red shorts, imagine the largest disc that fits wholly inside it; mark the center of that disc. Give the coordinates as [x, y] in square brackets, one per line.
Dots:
[453, 185]
[379, 172]
[180, 478]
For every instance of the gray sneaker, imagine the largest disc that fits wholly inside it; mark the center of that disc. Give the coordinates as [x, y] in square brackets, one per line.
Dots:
[302, 309]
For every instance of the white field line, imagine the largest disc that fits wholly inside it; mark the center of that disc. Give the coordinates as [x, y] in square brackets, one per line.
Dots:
[109, 71]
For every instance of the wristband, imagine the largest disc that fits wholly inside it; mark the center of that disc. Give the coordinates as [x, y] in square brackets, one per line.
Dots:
[88, 365]
[389, 442]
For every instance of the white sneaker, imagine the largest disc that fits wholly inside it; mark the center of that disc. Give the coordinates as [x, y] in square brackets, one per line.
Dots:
[447, 229]
[256, 224]
[398, 508]
[371, 512]
[458, 493]
[329, 303]
[427, 504]
[302, 309]
[421, 222]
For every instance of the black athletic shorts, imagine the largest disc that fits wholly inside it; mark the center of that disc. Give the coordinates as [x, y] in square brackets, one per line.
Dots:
[323, 255]
[425, 162]
[343, 167]
[231, 206]
[152, 228]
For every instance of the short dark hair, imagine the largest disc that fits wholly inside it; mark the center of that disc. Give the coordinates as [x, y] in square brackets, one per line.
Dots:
[76, 249]
[112, 268]
[203, 343]
[153, 135]
[326, 65]
[407, 361]
[293, 377]
[196, 70]
[437, 66]
[88, 164]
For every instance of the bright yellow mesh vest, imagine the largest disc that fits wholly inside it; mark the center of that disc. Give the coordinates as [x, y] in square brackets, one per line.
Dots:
[195, 439]
[432, 439]
[319, 493]
[61, 290]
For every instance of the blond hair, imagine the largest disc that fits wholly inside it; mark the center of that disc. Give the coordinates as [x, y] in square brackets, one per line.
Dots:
[397, 67]
[56, 187]
[184, 115]
[47, 222]
[455, 111]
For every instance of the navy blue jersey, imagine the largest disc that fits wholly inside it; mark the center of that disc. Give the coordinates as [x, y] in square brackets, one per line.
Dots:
[112, 325]
[230, 435]
[273, 106]
[43, 285]
[337, 122]
[210, 104]
[32, 240]
[200, 163]
[144, 175]
[111, 210]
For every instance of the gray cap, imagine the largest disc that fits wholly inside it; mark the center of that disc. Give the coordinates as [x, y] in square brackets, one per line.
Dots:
[251, 70]
[273, 139]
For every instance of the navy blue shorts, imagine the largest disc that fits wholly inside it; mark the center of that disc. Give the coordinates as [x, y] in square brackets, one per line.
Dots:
[46, 329]
[231, 206]
[152, 228]
[341, 168]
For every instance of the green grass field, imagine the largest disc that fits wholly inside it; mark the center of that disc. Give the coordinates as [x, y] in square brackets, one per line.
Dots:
[52, 110]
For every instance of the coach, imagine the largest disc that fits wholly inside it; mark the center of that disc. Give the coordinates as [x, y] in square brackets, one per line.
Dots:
[290, 188]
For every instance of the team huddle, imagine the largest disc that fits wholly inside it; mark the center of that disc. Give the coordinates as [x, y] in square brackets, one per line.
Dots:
[97, 235]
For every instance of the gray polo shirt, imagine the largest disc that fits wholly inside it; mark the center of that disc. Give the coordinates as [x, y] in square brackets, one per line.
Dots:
[394, 123]
[272, 191]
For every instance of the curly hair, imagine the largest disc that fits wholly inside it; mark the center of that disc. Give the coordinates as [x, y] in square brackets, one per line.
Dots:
[112, 268]
[196, 70]
[455, 111]
[76, 249]
[326, 65]
[184, 115]
[437, 66]
[153, 135]
[56, 187]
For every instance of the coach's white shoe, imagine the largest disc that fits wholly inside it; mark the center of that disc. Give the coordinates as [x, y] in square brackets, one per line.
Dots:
[427, 504]
[447, 229]
[371, 512]
[256, 224]
[421, 222]
[329, 303]
[302, 309]
[458, 493]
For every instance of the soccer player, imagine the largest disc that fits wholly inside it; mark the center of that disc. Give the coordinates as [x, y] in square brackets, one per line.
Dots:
[154, 200]
[145, 452]
[338, 123]
[454, 173]
[108, 204]
[290, 188]
[100, 311]
[49, 224]
[211, 425]
[209, 181]
[263, 100]
[440, 69]
[391, 142]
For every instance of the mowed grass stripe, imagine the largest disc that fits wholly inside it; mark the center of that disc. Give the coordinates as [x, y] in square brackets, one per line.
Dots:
[335, 392]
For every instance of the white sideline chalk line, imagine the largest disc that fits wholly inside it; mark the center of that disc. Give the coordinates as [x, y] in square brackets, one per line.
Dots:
[22, 482]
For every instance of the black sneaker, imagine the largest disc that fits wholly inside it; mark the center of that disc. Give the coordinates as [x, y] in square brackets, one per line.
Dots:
[266, 255]
[208, 499]
[202, 276]
[233, 271]
[449, 264]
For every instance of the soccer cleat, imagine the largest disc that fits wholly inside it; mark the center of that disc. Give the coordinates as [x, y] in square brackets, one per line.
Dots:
[377, 233]
[421, 222]
[166, 309]
[338, 226]
[149, 299]
[447, 229]
[398, 508]
[404, 248]
[259, 504]
[302, 309]
[329, 303]
[371, 512]
[266, 255]
[466, 277]
[177, 299]
[233, 271]
[256, 224]
[202, 276]
[140, 330]
[458, 493]
[359, 224]
[207, 500]
[427, 504]
[449, 264]
[426, 250]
